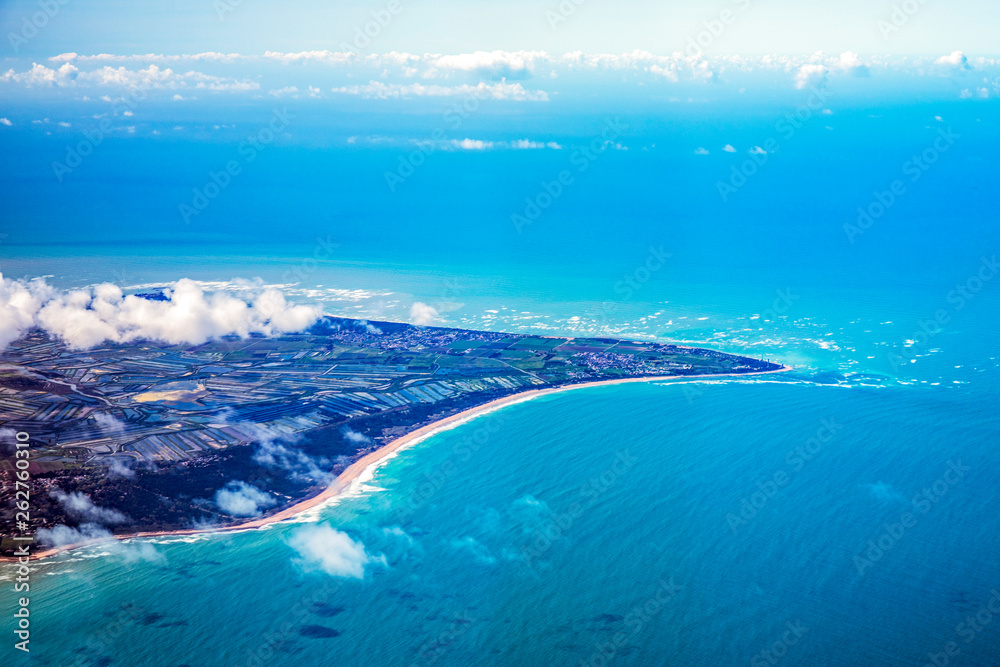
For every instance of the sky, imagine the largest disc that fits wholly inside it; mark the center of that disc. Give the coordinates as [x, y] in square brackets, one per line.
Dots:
[231, 53]
[867, 27]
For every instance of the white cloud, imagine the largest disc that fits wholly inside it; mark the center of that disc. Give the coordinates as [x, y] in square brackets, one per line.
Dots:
[356, 438]
[528, 144]
[5, 121]
[82, 508]
[152, 58]
[421, 314]
[701, 151]
[242, 499]
[321, 547]
[108, 423]
[493, 64]
[729, 148]
[287, 90]
[19, 306]
[131, 552]
[119, 466]
[325, 57]
[40, 75]
[757, 150]
[150, 78]
[484, 91]
[472, 144]
[850, 63]
[468, 144]
[955, 59]
[276, 449]
[87, 317]
[809, 76]
[408, 75]
[674, 67]
[62, 536]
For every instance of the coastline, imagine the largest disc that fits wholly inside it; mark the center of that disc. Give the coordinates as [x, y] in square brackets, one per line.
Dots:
[344, 480]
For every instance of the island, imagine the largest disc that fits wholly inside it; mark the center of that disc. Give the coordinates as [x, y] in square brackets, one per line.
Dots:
[149, 433]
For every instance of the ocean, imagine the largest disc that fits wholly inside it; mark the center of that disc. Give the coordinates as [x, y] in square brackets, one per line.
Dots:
[840, 514]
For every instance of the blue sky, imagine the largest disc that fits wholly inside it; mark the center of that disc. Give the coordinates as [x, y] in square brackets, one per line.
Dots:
[235, 52]
[453, 26]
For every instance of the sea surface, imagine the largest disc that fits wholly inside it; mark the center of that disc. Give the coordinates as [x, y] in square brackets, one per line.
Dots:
[845, 513]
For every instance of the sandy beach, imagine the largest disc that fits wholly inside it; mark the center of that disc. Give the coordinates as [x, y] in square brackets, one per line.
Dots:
[356, 469]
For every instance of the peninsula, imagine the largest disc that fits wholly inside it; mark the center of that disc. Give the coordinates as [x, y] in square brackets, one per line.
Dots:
[151, 432]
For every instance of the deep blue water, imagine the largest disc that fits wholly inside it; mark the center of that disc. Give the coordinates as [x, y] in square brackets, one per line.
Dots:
[469, 576]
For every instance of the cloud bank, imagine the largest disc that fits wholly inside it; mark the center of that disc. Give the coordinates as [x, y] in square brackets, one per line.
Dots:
[483, 91]
[87, 317]
[490, 74]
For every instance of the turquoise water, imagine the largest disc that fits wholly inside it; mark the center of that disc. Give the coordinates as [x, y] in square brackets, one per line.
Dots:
[707, 537]
[593, 519]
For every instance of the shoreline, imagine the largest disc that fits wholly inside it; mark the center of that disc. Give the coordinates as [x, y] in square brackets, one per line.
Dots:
[344, 480]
